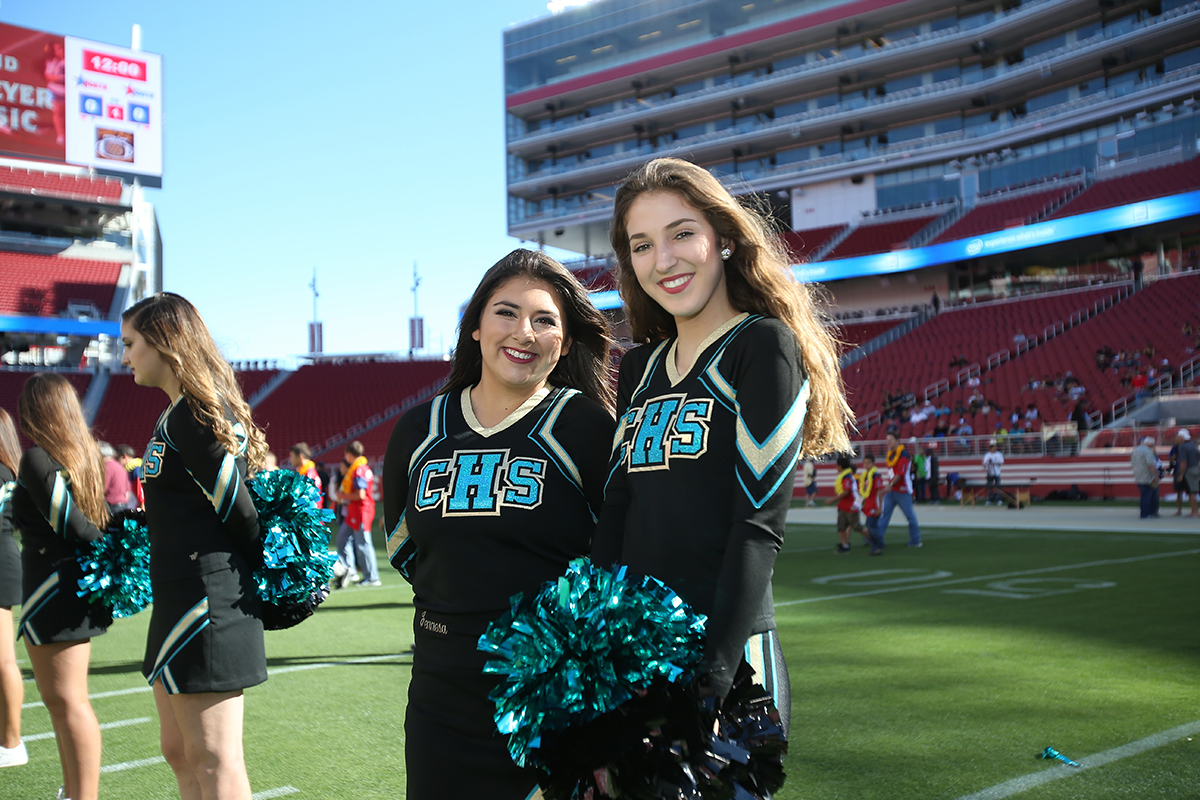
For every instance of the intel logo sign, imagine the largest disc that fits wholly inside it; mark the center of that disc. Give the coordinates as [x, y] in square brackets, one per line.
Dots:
[974, 247]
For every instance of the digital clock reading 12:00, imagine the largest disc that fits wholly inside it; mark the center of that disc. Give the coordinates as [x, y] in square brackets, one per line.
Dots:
[114, 65]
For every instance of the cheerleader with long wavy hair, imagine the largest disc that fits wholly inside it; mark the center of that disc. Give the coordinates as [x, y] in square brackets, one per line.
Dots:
[737, 379]
[206, 634]
[58, 506]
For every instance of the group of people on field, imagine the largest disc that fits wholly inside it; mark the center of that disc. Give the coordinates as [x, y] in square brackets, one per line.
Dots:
[525, 460]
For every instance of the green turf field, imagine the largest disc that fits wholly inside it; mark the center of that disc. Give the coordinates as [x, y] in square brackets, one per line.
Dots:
[928, 674]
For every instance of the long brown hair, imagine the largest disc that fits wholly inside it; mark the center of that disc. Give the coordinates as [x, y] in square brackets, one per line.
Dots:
[52, 417]
[758, 278]
[173, 327]
[585, 367]
[10, 446]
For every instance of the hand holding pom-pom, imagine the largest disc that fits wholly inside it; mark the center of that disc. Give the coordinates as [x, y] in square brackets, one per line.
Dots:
[601, 696]
[297, 565]
[116, 567]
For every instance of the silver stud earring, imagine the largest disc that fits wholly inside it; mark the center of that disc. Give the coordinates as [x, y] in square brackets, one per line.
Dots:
[725, 254]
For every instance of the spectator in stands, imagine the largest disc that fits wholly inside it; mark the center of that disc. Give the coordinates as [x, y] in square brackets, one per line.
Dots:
[993, 461]
[1031, 413]
[942, 428]
[899, 493]
[529, 385]
[58, 505]
[205, 644]
[1145, 475]
[300, 457]
[356, 493]
[959, 360]
[12, 685]
[1188, 459]
[1138, 384]
[133, 470]
[270, 462]
[116, 480]
[943, 410]
[1001, 436]
[1079, 414]
[964, 430]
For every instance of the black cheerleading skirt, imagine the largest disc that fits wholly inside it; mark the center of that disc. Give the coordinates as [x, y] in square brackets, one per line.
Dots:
[10, 570]
[51, 609]
[451, 745]
[206, 633]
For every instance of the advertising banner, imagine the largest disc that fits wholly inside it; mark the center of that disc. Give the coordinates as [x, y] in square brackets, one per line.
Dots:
[82, 102]
[32, 90]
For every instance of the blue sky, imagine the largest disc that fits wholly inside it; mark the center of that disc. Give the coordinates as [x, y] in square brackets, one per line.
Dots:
[353, 137]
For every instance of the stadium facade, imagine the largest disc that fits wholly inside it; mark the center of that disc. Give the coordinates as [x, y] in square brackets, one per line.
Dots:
[889, 136]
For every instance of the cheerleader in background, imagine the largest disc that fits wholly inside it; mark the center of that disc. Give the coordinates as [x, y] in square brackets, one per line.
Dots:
[58, 505]
[206, 634]
[12, 690]
[490, 489]
[737, 380]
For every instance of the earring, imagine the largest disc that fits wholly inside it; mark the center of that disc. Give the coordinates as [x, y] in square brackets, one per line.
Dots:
[726, 253]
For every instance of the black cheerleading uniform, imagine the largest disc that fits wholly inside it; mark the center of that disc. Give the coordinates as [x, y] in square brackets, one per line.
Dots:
[701, 480]
[474, 516]
[53, 528]
[10, 554]
[206, 631]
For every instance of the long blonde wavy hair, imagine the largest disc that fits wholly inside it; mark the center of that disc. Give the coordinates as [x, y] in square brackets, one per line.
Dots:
[173, 327]
[52, 416]
[758, 278]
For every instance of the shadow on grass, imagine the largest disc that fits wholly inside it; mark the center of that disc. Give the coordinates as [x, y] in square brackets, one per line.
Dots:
[117, 668]
[356, 660]
[325, 609]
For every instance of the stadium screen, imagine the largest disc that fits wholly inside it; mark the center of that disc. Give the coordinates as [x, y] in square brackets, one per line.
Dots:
[80, 102]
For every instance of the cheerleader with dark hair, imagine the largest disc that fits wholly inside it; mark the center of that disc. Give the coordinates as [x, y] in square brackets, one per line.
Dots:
[490, 489]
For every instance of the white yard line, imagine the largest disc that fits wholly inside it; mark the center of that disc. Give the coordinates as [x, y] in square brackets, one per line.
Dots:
[121, 723]
[997, 576]
[276, 671]
[141, 762]
[282, 791]
[1026, 782]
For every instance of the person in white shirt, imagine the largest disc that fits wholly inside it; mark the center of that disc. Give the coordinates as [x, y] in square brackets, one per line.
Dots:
[993, 460]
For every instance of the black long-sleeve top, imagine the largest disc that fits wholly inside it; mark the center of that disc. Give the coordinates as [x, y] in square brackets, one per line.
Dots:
[475, 515]
[701, 476]
[52, 526]
[198, 509]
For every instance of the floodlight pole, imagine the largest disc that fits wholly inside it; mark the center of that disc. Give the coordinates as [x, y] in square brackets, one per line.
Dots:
[416, 314]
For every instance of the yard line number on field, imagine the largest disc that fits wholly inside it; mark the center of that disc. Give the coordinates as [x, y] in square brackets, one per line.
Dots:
[938, 579]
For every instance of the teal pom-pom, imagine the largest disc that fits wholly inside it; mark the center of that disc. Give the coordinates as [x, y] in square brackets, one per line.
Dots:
[583, 645]
[116, 567]
[297, 565]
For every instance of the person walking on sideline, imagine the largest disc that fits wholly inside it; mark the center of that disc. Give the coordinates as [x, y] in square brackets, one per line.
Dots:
[1187, 464]
[900, 492]
[849, 502]
[1145, 475]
